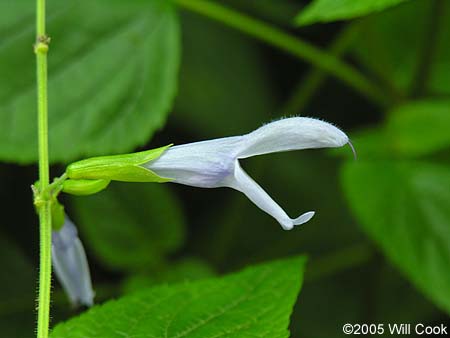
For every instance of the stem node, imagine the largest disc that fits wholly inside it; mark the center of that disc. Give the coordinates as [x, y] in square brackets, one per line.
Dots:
[42, 44]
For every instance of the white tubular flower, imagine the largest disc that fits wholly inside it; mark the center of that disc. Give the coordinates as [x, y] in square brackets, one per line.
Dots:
[215, 163]
[71, 266]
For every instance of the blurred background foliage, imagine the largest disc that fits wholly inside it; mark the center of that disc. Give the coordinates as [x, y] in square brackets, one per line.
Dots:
[144, 73]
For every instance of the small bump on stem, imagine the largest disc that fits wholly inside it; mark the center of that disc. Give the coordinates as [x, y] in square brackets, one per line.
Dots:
[42, 44]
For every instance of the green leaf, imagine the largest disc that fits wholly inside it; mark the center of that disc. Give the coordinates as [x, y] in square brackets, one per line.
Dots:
[420, 128]
[403, 207]
[112, 76]
[131, 226]
[332, 10]
[256, 302]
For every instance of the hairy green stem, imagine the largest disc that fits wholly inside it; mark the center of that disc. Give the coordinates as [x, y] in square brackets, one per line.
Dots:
[43, 200]
[40, 18]
[44, 271]
[291, 44]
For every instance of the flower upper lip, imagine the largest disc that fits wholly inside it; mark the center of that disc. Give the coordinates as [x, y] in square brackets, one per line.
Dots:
[215, 163]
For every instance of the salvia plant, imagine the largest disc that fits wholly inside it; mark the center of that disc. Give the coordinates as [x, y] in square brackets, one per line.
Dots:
[93, 113]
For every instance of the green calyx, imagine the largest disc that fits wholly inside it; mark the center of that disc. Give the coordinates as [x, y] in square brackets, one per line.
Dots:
[84, 187]
[92, 175]
[125, 168]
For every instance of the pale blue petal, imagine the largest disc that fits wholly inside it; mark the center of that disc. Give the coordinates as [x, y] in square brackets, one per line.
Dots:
[293, 133]
[201, 164]
[245, 184]
[214, 163]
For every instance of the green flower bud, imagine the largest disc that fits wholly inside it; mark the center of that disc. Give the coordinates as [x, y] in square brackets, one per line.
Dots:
[84, 187]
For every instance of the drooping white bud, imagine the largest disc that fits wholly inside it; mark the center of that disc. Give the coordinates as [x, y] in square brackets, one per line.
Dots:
[71, 266]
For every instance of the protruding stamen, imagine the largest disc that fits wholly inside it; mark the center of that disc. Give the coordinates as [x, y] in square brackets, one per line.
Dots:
[353, 149]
